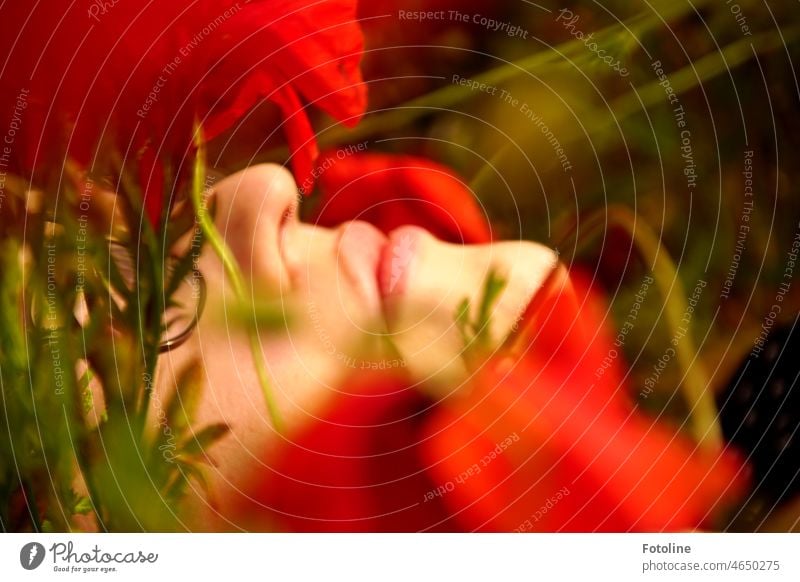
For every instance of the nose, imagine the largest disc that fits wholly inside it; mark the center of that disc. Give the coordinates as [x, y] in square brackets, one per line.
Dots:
[253, 209]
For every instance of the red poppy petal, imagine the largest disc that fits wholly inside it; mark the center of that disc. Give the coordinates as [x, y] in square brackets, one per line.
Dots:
[391, 191]
[584, 458]
[299, 134]
[128, 75]
[621, 471]
[324, 45]
[355, 469]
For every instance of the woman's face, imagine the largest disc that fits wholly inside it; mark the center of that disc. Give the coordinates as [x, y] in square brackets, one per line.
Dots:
[354, 300]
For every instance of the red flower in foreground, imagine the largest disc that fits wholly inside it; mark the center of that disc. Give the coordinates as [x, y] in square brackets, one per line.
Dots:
[390, 191]
[83, 74]
[553, 444]
[540, 442]
[355, 469]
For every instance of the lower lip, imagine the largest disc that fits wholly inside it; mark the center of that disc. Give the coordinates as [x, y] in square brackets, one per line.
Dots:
[396, 260]
[377, 261]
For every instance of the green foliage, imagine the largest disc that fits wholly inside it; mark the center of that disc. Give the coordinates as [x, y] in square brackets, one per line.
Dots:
[475, 328]
[82, 318]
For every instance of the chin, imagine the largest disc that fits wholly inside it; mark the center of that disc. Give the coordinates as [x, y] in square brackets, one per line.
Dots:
[425, 281]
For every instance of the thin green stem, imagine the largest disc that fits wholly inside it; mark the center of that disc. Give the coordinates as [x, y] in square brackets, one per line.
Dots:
[149, 306]
[703, 69]
[231, 267]
[651, 94]
[703, 423]
[152, 341]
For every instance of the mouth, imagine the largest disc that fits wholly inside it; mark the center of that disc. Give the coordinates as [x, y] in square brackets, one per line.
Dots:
[378, 264]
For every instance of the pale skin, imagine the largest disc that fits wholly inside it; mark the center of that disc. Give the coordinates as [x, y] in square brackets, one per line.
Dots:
[355, 298]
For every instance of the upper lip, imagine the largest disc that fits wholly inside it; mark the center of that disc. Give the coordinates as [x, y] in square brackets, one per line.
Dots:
[361, 247]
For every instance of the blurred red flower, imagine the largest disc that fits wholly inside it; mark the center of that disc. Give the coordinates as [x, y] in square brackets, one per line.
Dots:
[136, 76]
[391, 191]
[540, 442]
[551, 441]
[355, 469]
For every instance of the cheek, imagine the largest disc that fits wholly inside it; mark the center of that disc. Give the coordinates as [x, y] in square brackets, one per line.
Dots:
[306, 366]
[333, 323]
[307, 360]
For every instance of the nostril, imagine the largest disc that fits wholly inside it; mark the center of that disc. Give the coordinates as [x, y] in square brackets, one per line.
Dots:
[287, 219]
[258, 208]
[282, 200]
[289, 214]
